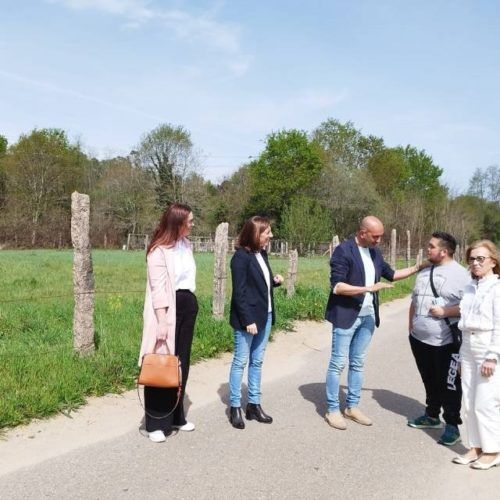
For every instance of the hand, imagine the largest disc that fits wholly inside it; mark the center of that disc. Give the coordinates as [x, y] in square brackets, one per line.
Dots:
[278, 279]
[488, 367]
[162, 331]
[423, 265]
[381, 285]
[252, 329]
[436, 311]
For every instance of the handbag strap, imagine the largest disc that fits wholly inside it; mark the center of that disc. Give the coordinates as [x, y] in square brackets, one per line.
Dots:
[163, 416]
[434, 292]
[179, 389]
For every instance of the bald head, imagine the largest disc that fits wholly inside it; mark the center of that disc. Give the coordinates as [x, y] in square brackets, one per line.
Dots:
[370, 231]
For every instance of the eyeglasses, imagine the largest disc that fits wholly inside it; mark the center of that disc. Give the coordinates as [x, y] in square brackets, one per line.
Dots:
[480, 259]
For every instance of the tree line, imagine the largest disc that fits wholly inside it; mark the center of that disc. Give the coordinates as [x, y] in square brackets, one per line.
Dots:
[311, 184]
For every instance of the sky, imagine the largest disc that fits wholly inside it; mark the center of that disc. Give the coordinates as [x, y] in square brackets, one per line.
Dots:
[424, 73]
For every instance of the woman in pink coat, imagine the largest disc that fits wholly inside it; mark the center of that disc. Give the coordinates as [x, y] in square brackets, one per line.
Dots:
[170, 310]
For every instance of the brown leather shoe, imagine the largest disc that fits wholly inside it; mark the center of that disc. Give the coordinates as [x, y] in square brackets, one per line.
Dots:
[357, 415]
[336, 420]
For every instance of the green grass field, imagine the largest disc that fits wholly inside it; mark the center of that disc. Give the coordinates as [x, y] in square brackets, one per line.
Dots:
[40, 375]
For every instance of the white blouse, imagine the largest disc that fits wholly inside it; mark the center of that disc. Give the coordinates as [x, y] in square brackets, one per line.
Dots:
[267, 276]
[185, 267]
[480, 311]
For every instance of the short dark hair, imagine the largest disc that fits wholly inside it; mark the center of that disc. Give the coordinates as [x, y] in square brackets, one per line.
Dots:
[249, 237]
[447, 241]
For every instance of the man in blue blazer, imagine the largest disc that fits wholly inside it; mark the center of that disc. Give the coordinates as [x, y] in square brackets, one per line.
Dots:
[353, 309]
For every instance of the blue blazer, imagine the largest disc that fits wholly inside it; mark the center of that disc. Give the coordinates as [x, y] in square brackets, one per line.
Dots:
[346, 266]
[249, 300]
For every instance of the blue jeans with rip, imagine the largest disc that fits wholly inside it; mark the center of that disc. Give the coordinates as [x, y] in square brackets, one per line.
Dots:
[248, 347]
[349, 345]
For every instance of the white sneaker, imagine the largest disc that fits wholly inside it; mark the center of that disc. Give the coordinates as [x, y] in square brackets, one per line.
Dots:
[187, 427]
[157, 436]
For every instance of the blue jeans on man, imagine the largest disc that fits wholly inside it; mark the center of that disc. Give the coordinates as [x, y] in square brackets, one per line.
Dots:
[248, 347]
[349, 346]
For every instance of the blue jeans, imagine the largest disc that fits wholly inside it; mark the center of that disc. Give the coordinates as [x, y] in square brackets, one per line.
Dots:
[349, 344]
[248, 346]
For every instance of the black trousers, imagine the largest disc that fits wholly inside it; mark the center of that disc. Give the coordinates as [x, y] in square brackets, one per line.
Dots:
[438, 367]
[157, 401]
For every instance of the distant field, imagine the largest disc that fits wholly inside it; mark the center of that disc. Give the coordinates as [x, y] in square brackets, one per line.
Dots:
[39, 374]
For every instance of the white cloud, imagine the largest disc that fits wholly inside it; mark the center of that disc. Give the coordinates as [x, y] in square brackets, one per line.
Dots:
[55, 89]
[202, 28]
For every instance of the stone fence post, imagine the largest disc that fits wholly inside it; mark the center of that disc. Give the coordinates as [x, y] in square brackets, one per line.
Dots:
[220, 275]
[83, 276]
[292, 273]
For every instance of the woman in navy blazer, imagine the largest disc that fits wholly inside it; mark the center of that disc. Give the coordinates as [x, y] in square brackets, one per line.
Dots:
[252, 314]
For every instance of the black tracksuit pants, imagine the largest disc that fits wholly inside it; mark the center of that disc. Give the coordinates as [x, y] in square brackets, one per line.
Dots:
[159, 401]
[438, 367]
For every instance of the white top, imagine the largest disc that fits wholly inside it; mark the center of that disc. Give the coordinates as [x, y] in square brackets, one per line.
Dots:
[185, 267]
[267, 276]
[480, 312]
[367, 308]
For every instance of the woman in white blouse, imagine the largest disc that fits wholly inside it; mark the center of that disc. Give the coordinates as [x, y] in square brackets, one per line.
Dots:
[479, 354]
[252, 314]
[170, 310]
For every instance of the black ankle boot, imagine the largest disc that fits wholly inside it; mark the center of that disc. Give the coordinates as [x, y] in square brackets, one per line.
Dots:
[236, 418]
[255, 412]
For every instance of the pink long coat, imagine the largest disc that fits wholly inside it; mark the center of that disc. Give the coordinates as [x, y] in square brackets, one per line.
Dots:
[160, 293]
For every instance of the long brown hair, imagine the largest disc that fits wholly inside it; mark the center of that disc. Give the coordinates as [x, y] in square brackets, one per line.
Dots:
[249, 237]
[492, 249]
[170, 227]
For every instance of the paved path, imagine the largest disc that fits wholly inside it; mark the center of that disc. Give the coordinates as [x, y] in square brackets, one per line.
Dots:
[100, 454]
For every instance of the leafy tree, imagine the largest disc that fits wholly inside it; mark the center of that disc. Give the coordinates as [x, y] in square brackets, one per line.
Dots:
[401, 171]
[123, 202]
[423, 173]
[305, 221]
[390, 171]
[232, 199]
[3, 145]
[3, 177]
[167, 152]
[42, 170]
[284, 169]
[344, 145]
[491, 221]
[485, 183]
[347, 195]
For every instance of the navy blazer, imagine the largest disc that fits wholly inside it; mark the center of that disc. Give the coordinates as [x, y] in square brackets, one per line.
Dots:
[249, 300]
[347, 267]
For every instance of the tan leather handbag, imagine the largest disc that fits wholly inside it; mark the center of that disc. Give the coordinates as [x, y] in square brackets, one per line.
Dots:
[160, 370]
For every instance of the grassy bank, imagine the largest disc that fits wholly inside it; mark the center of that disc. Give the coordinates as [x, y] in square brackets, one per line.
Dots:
[40, 375]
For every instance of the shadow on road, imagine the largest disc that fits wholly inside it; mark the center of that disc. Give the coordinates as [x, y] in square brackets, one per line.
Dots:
[315, 393]
[223, 392]
[389, 400]
[397, 403]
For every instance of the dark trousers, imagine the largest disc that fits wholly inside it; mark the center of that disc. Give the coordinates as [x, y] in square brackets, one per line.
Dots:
[158, 401]
[438, 367]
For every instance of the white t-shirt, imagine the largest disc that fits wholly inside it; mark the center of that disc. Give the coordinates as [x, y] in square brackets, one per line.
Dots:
[367, 308]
